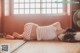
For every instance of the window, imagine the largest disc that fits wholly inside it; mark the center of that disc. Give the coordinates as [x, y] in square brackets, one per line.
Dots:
[38, 7]
[35, 6]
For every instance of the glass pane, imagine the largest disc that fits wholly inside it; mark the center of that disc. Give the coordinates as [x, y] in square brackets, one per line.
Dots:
[37, 11]
[16, 11]
[32, 0]
[26, 11]
[26, 0]
[37, 5]
[60, 5]
[32, 5]
[43, 11]
[43, 0]
[60, 10]
[60, 0]
[49, 5]
[37, 0]
[54, 5]
[49, 0]
[54, 11]
[21, 11]
[54, 0]
[16, 1]
[21, 5]
[21, 1]
[48, 11]
[27, 5]
[16, 5]
[32, 11]
[44, 5]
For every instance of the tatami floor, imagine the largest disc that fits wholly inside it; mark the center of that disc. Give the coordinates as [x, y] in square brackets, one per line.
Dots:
[43, 46]
[12, 44]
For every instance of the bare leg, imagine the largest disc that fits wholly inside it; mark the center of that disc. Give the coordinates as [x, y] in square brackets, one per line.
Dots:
[9, 37]
[17, 36]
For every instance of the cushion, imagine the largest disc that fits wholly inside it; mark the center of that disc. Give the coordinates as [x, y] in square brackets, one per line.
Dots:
[30, 31]
[46, 32]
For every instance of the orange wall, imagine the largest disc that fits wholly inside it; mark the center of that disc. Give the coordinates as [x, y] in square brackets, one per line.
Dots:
[16, 23]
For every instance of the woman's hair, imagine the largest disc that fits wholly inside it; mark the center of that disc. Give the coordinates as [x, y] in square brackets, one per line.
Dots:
[69, 35]
[70, 30]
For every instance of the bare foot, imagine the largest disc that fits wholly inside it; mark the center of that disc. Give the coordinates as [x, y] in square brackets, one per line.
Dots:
[17, 36]
[9, 37]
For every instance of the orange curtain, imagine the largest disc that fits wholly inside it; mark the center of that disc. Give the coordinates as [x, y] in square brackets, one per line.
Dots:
[0, 17]
[0, 8]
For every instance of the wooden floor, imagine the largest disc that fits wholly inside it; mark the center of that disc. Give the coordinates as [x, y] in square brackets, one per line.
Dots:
[43, 46]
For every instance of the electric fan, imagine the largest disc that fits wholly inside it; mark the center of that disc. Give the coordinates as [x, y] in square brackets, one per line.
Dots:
[76, 18]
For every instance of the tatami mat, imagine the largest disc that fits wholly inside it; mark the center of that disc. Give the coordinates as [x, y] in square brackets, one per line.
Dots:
[49, 47]
[12, 44]
[41, 46]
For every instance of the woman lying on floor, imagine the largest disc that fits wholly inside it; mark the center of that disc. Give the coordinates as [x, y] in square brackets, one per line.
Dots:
[68, 35]
[33, 31]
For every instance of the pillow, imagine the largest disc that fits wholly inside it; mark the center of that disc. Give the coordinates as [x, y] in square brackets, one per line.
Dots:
[46, 32]
[59, 28]
[30, 31]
